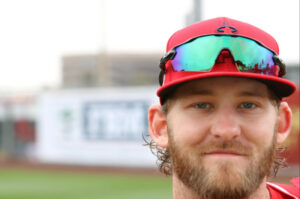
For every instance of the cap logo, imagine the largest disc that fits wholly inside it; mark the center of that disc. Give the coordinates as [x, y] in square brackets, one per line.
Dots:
[226, 28]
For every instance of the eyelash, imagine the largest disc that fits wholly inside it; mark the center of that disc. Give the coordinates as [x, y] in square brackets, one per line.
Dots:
[253, 105]
[205, 105]
[200, 105]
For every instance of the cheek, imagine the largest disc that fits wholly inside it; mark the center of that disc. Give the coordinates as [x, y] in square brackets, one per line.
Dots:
[187, 130]
[260, 132]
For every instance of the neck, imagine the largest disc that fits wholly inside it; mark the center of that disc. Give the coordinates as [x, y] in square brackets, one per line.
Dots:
[180, 191]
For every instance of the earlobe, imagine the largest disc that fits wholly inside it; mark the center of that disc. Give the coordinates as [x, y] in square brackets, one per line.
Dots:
[158, 126]
[284, 122]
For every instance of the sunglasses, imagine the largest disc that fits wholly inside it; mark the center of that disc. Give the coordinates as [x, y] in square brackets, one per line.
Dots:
[200, 55]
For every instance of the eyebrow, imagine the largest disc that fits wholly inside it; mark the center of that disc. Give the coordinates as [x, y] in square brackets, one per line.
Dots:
[198, 92]
[211, 93]
[252, 94]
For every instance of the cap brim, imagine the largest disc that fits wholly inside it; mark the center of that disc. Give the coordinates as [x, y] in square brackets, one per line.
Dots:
[281, 87]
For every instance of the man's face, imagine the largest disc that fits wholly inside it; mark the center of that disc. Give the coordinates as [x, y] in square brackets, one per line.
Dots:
[221, 136]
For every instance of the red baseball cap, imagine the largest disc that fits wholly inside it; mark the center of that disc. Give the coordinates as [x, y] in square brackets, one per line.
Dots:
[227, 27]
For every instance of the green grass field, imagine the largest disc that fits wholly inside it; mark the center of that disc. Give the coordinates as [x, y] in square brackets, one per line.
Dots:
[28, 184]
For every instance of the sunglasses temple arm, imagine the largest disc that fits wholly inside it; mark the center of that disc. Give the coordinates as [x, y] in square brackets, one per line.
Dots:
[282, 67]
[162, 65]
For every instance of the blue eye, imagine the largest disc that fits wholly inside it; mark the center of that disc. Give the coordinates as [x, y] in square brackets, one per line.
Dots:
[202, 105]
[248, 105]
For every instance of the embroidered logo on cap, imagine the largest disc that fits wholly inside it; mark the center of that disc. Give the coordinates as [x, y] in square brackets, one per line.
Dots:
[226, 28]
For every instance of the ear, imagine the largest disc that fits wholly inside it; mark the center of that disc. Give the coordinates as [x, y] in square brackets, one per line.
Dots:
[157, 121]
[284, 122]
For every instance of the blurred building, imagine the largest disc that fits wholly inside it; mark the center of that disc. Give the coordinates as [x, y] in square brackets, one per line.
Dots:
[85, 71]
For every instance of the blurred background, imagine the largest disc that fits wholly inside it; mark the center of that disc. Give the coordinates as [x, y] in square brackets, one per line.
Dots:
[77, 78]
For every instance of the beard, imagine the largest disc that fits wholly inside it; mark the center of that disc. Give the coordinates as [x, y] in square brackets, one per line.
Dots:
[224, 179]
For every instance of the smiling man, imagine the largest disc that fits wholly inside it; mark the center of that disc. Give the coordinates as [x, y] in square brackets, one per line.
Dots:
[221, 115]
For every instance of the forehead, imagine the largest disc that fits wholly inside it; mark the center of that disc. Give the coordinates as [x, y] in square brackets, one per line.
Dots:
[222, 86]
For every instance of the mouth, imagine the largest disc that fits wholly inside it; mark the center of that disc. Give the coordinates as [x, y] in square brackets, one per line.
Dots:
[224, 153]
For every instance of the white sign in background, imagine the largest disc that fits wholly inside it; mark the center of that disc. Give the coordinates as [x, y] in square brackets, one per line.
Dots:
[115, 120]
[95, 127]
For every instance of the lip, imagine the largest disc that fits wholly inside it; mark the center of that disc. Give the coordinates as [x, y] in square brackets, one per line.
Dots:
[223, 153]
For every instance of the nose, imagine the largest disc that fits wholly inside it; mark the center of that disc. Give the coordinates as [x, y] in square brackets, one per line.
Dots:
[225, 126]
